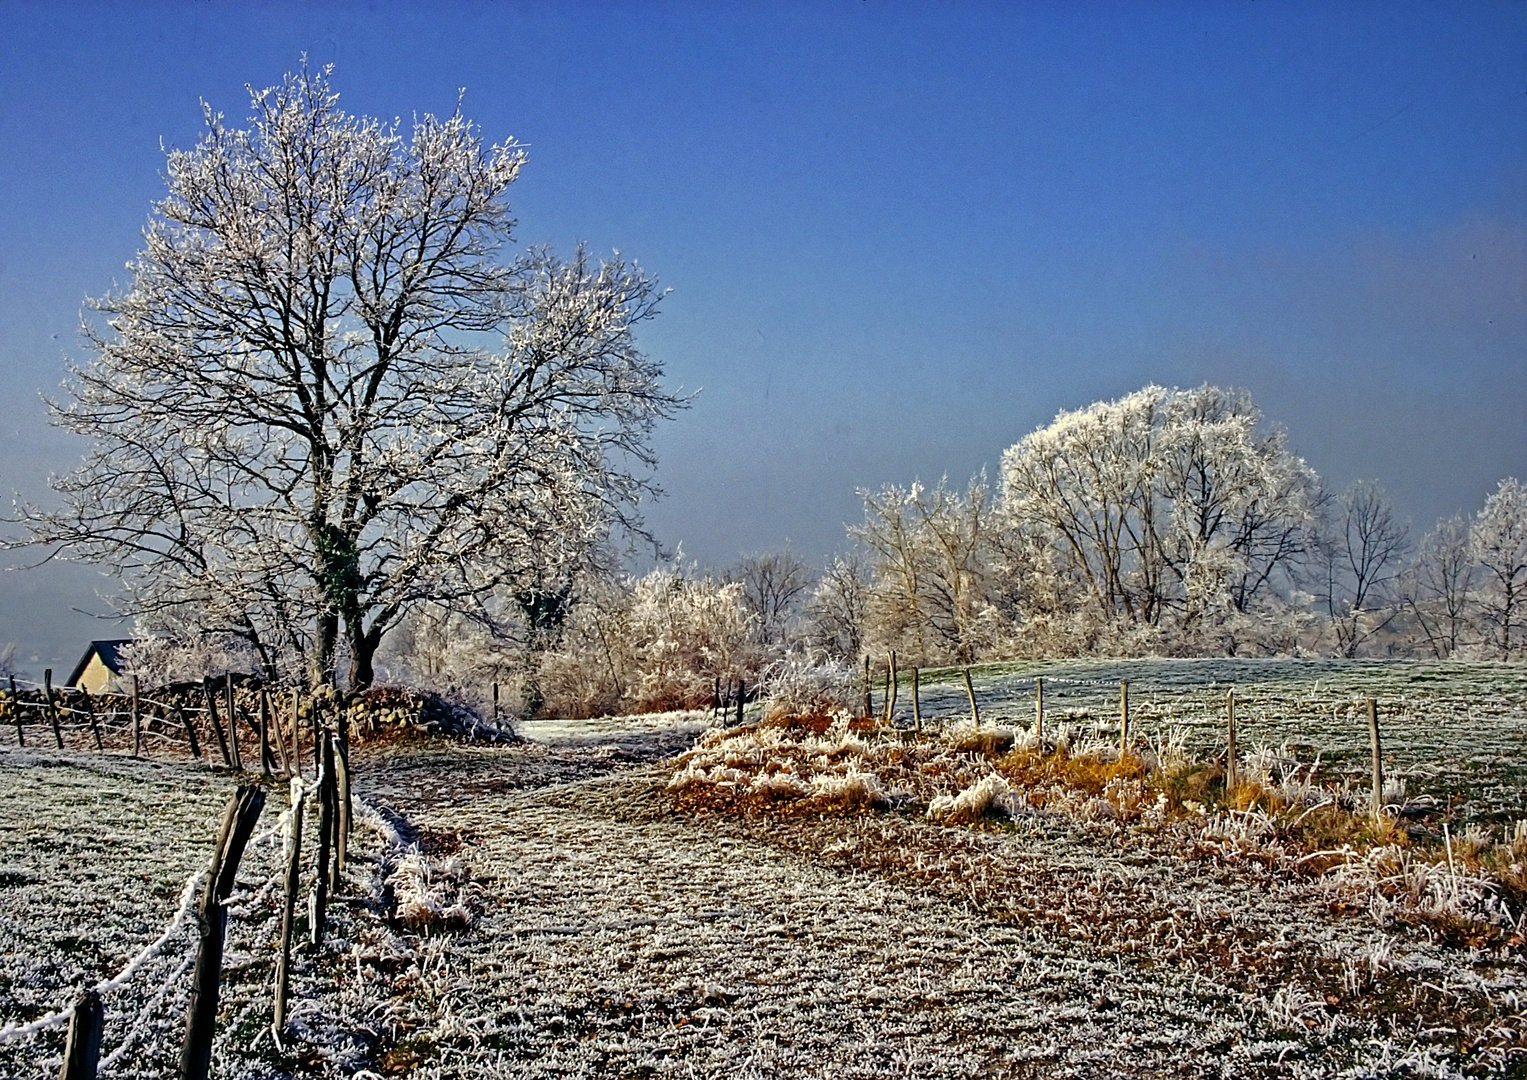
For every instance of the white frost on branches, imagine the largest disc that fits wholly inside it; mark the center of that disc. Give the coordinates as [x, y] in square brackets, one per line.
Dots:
[326, 399]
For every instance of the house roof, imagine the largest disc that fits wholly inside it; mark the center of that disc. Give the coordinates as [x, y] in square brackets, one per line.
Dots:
[110, 654]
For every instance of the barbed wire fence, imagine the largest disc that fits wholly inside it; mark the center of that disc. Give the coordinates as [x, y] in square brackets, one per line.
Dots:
[192, 940]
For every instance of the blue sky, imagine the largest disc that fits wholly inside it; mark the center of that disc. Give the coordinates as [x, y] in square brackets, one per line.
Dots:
[899, 235]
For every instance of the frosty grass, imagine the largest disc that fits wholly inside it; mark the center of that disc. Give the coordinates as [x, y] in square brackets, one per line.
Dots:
[540, 911]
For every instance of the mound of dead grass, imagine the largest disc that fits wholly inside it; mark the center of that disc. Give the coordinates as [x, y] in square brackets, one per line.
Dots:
[1280, 814]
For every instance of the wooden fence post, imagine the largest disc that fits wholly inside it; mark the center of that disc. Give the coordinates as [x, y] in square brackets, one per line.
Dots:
[212, 922]
[185, 719]
[715, 698]
[1230, 760]
[890, 687]
[82, 1050]
[95, 727]
[495, 704]
[1123, 718]
[970, 692]
[289, 905]
[917, 704]
[265, 751]
[47, 689]
[869, 705]
[233, 725]
[217, 726]
[1378, 757]
[137, 720]
[1039, 713]
[318, 902]
[317, 736]
[742, 697]
[16, 708]
[341, 807]
[272, 724]
[297, 732]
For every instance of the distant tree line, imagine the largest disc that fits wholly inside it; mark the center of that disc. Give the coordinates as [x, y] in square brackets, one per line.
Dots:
[1168, 522]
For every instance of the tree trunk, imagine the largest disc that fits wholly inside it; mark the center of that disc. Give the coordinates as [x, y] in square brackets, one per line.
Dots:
[324, 650]
[362, 654]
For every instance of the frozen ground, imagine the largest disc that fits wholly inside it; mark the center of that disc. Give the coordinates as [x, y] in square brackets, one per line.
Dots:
[617, 938]
[614, 937]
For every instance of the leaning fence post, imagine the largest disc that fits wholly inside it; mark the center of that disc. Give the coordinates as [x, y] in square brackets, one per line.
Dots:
[868, 704]
[82, 1051]
[217, 725]
[1039, 713]
[289, 904]
[970, 692]
[271, 724]
[1378, 758]
[265, 754]
[1123, 718]
[212, 923]
[16, 708]
[917, 705]
[1230, 760]
[890, 688]
[341, 807]
[185, 718]
[47, 689]
[742, 696]
[137, 720]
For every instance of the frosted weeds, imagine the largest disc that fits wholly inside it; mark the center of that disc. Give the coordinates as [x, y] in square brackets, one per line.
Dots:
[991, 793]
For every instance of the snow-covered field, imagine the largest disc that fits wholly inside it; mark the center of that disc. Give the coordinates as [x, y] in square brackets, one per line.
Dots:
[546, 909]
[1454, 731]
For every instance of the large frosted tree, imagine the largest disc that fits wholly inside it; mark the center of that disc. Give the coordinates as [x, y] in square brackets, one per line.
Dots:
[326, 397]
[1175, 511]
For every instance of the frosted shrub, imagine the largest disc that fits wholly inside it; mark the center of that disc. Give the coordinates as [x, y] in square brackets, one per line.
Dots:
[991, 794]
[804, 686]
[653, 643]
[854, 788]
[431, 892]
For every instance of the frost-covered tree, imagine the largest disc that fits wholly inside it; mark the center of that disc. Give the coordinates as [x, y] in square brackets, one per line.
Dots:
[1173, 516]
[928, 550]
[165, 650]
[326, 398]
[659, 641]
[773, 586]
[1438, 589]
[839, 607]
[1358, 561]
[1498, 543]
